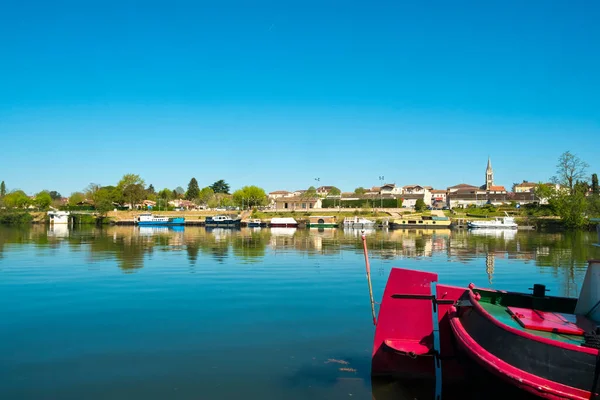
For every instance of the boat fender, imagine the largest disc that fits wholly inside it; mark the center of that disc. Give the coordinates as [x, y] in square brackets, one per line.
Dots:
[477, 296]
[471, 286]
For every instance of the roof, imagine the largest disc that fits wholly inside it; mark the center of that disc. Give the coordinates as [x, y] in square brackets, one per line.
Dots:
[412, 186]
[280, 192]
[526, 184]
[497, 188]
[296, 198]
[324, 188]
[463, 186]
[437, 191]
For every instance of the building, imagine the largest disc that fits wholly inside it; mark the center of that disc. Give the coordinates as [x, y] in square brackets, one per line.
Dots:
[324, 190]
[524, 187]
[390, 189]
[279, 193]
[438, 197]
[489, 175]
[297, 203]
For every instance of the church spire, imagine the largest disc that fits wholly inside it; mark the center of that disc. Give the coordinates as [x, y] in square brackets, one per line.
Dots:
[489, 175]
[489, 166]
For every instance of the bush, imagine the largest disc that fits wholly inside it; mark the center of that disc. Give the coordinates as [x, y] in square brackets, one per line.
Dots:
[15, 218]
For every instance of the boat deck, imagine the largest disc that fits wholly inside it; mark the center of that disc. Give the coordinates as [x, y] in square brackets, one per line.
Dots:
[500, 312]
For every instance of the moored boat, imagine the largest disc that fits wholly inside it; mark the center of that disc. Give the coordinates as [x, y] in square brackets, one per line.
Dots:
[497, 223]
[150, 219]
[283, 223]
[545, 345]
[319, 221]
[222, 221]
[422, 222]
[356, 222]
[254, 223]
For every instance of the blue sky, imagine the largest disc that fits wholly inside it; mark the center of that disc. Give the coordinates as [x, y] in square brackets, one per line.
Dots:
[277, 93]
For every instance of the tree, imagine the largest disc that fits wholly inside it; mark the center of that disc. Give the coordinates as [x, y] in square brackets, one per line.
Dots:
[220, 187]
[2, 189]
[16, 199]
[595, 188]
[250, 196]
[360, 190]
[103, 201]
[165, 194]
[310, 193]
[151, 190]
[132, 189]
[43, 200]
[76, 198]
[193, 190]
[569, 170]
[420, 205]
[205, 195]
[91, 190]
[178, 192]
[335, 192]
[55, 195]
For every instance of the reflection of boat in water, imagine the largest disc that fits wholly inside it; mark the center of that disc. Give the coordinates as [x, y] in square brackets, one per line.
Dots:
[358, 232]
[150, 219]
[356, 222]
[283, 231]
[507, 234]
[544, 345]
[159, 230]
[221, 233]
[497, 223]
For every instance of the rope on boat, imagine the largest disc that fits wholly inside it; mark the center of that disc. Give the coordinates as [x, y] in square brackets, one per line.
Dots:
[592, 339]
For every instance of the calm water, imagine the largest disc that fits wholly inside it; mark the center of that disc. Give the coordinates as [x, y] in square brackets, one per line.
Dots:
[158, 313]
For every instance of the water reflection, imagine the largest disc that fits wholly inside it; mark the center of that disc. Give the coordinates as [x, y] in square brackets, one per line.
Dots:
[129, 246]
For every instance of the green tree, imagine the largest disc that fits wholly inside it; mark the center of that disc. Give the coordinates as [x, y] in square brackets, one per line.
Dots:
[310, 193]
[150, 189]
[595, 188]
[205, 195]
[220, 187]
[104, 201]
[55, 195]
[193, 190]
[91, 190]
[17, 199]
[571, 208]
[2, 189]
[569, 170]
[420, 205]
[250, 196]
[76, 198]
[132, 189]
[165, 194]
[178, 192]
[335, 192]
[360, 190]
[43, 200]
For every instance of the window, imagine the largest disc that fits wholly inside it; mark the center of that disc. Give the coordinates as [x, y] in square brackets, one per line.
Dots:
[303, 205]
[420, 222]
[285, 205]
[310, 205]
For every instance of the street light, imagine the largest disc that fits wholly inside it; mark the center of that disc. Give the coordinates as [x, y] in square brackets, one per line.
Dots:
[381, 178]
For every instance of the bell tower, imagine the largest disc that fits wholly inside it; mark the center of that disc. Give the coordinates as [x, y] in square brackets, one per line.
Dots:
[489, 175]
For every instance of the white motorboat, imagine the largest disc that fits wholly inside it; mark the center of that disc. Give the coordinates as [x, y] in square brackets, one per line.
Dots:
[356, 222]
[497, 223]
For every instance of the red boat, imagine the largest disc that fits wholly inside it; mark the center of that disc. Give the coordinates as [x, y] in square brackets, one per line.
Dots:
[544, 345]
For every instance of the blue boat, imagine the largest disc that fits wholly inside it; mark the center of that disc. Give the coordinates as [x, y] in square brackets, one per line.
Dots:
[149, 219]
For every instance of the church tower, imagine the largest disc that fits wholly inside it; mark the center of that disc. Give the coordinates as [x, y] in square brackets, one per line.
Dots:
[489, 175]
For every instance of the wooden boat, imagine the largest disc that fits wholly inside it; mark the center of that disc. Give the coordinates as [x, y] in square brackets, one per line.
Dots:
[544, 345]
[421, 222]
[222, 221]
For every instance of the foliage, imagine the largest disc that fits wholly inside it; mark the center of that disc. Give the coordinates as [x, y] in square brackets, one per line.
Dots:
[310, 193]
[9, 217]
[2, 189]
[76, 198]
[193, 190]
[571, 208]
[569, 170]
[165, 194]
[220, 186]
[178, 193]
[544, 192]
[250, 196]
[132, 189]
[17, 199]
[595, 187]
[54, 195]
[150, 189]
[104, 200]
[335, 191]
[360, 190]
[205, 195]
[43, 200]
[420, 205]
[594, 206]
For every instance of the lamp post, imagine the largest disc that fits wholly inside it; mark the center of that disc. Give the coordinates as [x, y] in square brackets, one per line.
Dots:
[381, 178]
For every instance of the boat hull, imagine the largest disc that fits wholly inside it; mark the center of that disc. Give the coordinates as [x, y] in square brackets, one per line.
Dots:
[280, 225]
[332, 225]
[544, 367]
[395, 225]
[475, 225]
[173, 221]
[223, 224]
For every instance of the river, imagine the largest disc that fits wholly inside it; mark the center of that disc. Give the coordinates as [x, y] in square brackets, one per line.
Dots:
[192, 313]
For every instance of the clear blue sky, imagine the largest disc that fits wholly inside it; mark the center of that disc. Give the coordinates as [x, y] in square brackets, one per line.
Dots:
[276, 93]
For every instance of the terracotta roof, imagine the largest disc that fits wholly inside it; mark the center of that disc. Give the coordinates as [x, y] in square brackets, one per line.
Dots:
[463, 185]
[526, 184]
[296, 198]
[412, 186]
[436, 191]
[497, 188]
[280, 192]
